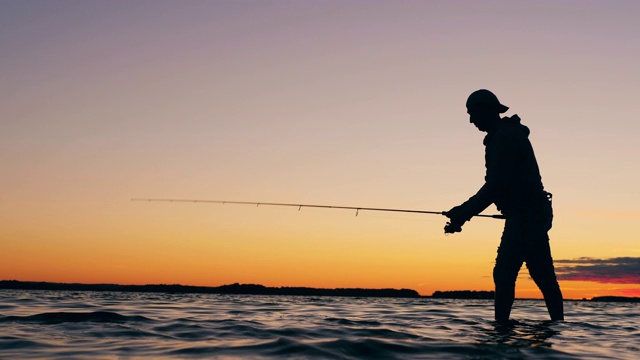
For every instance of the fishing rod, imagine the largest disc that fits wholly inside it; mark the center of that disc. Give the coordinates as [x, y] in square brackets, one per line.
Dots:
[300, 206]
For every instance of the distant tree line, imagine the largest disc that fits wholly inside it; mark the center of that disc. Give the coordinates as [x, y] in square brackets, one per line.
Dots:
[233, 289]
[253, 289]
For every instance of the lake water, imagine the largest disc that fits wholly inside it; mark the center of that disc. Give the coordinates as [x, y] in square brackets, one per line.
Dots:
[112, 325]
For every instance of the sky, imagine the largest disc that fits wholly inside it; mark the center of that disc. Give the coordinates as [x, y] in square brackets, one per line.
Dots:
[353, 103]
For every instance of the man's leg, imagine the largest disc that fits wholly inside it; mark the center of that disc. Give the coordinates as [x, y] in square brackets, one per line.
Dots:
[508, 262]
[504, 277]
[540, 265]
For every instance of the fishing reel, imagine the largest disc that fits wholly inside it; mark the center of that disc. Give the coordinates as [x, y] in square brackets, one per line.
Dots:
[451, 228]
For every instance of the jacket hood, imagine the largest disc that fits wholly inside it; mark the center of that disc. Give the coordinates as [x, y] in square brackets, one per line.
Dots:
[510, 124]
[515, 122]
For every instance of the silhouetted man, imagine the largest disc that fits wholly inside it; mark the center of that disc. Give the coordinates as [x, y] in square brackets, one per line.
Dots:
[514, 185]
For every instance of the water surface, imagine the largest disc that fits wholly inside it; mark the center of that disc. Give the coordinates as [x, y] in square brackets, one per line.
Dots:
[68, 325]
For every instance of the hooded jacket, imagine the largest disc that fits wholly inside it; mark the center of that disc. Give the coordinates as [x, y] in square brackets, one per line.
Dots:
[512, 182]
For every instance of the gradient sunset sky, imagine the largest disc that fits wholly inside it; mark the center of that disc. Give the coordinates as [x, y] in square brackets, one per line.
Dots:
[356, 103]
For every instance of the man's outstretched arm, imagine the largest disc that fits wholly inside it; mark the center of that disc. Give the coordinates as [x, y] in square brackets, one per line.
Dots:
[500, 158]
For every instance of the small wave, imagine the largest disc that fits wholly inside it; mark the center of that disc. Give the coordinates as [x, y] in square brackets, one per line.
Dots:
[276, 348]
[347, 322]
[64, 317]
[10, 342]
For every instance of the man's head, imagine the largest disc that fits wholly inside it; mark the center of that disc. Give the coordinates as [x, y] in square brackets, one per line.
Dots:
[484, 109]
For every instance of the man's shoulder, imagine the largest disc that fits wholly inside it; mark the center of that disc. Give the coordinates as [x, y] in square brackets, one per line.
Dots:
[507, 133]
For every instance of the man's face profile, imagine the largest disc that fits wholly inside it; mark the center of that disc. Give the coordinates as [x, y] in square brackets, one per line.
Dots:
[481, 117]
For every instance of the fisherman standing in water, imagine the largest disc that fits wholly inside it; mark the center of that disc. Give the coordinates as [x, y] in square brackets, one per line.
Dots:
[513, 183]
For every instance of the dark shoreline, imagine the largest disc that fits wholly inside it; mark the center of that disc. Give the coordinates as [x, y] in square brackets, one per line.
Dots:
[253, 289]
[233, 289]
